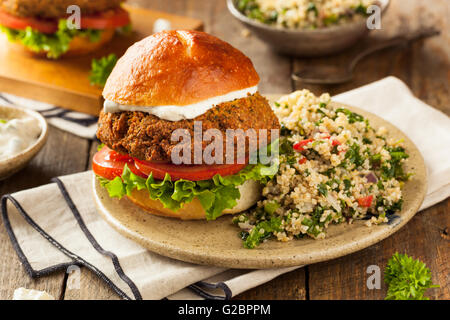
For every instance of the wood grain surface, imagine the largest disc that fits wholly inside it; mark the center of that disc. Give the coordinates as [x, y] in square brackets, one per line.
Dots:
[424, 66]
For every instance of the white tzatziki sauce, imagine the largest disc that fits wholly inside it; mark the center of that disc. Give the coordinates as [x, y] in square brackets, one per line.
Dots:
[16, 135]
[177, 113]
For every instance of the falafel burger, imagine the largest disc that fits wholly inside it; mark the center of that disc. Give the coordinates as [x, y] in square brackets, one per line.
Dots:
[46, 28]
[181, 114]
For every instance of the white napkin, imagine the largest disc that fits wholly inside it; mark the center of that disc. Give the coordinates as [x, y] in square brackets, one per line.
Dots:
[79, 124]
[148, 275]
[49, 236]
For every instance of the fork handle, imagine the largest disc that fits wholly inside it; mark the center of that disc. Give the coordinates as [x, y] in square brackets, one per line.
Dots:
[395, 41]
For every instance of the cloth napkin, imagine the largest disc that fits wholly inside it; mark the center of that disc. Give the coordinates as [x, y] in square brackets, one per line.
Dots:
[79, 124]
[56, 226]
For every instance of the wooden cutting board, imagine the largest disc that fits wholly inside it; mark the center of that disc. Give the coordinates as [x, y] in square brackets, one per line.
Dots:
[65, 82]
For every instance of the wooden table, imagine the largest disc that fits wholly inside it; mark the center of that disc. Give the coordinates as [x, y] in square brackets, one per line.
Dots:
[424, 66]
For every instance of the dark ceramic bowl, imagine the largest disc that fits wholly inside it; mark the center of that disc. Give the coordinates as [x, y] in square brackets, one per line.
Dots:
[306, 42]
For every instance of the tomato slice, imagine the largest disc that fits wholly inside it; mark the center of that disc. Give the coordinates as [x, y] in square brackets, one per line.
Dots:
[106, 20]
[109, 164]
[187, 172]
[21, 23]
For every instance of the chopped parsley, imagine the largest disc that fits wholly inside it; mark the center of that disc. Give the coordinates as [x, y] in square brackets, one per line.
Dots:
[352, 116]
[353, 156]
[262, 231]
[322, 188]
[393, 168]
[312, 8]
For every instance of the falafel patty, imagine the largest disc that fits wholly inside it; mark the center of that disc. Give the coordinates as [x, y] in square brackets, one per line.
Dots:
[147, 137]
[55, 9]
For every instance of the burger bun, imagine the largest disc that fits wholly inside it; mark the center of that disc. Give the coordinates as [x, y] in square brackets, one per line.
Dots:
[178, 68]
[250, 194]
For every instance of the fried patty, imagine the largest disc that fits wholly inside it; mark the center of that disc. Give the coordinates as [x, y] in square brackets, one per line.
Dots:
[146, 137]
[55, 8]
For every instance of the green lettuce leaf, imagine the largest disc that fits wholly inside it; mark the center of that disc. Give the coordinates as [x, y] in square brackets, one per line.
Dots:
[53, 44]
[215, 195]
[101, 69]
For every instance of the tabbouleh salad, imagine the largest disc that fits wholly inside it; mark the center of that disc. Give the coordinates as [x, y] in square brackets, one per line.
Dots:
[333, 167]
[304, 14]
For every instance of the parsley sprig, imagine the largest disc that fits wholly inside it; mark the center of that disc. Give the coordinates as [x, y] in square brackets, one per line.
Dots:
[407, 278]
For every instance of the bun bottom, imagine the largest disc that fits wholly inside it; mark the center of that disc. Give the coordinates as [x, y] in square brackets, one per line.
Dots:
[78, 46]
[250, 194]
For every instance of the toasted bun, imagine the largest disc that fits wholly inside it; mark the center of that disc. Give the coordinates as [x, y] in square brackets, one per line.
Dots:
[250, 194]
[178, 68]
[77, 47]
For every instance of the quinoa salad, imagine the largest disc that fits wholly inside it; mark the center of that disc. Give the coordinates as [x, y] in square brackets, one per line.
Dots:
[304, 14]
[333, 168]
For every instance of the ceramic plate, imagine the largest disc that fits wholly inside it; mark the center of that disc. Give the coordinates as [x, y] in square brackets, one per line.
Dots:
[11, 165]
[217, 242]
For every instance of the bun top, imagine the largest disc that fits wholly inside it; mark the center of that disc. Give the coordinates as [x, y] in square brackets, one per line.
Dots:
[178, 68]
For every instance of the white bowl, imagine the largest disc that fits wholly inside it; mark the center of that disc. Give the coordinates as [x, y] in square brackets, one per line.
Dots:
[11, 165]
[306, 42]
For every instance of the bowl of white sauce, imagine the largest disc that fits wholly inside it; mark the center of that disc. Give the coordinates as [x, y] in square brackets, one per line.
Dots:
[23, 133]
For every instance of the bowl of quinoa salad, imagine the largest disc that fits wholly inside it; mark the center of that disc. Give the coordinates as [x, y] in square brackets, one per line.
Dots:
[305, 27]
[339, 190]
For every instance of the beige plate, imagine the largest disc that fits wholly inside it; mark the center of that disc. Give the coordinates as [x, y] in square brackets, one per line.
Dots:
[11, 165]
[217, 242]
